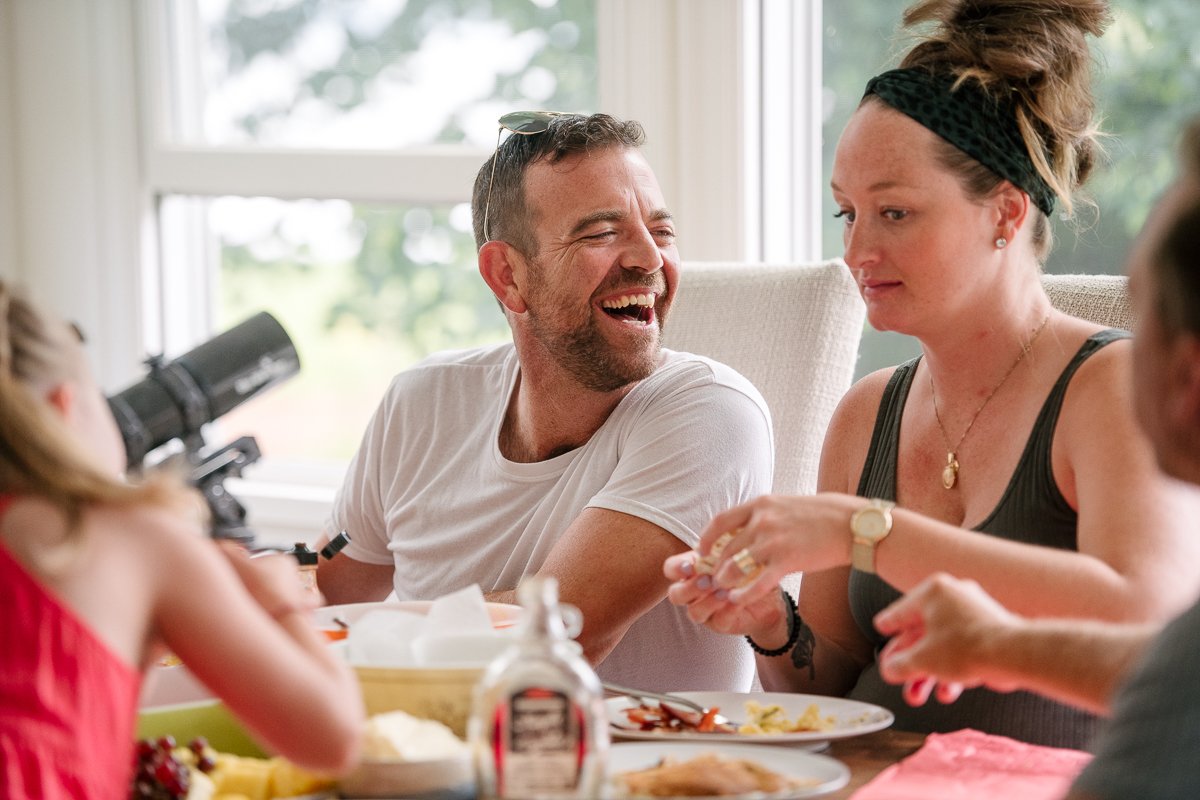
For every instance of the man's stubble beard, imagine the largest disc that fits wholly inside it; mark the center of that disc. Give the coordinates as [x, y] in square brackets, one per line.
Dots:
[592, 360]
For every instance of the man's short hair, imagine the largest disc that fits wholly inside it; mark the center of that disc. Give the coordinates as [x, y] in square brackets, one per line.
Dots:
[567, 135]
[1176, 257]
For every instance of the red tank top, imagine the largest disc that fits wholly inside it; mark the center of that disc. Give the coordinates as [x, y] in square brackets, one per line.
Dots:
[68, 703]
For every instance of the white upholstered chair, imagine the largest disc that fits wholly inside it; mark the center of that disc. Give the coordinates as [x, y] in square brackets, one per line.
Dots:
[793, 330]
[1103, 299]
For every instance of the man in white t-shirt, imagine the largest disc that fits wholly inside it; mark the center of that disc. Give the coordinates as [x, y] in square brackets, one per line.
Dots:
[582, 450]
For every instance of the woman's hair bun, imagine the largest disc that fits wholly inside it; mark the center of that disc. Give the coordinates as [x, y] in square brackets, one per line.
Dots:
[1033, 53]
[1008, 40]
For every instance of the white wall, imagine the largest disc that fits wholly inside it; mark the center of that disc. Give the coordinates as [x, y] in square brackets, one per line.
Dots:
[8, 188]
[69, 151]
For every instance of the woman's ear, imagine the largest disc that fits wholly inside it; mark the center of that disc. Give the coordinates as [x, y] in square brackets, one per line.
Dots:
[1012, 211]
[503, 269]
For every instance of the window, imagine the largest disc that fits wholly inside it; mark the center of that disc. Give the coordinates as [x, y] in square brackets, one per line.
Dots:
[366, 279]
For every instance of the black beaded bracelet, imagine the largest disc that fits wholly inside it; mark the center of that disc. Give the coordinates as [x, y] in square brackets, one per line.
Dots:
[793, 630]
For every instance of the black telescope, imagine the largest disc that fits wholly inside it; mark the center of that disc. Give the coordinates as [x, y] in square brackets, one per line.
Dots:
[179, 397]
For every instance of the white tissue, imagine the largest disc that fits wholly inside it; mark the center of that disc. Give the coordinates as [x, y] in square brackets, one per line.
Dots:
[383, 638]
[463, 611]
[456, 631]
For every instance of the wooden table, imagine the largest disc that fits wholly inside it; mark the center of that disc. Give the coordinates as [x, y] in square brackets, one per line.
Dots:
[868, 755]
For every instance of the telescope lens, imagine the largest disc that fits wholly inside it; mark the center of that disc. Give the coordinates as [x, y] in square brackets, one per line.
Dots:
[205, 383]
[241, 362]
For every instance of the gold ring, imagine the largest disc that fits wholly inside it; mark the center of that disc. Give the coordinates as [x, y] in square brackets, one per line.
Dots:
[745, 562]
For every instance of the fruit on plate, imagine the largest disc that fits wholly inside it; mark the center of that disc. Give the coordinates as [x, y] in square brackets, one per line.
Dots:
[167, 771]
[264, 778]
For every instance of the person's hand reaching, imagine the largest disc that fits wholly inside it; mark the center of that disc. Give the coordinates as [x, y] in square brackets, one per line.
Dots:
[942, 632]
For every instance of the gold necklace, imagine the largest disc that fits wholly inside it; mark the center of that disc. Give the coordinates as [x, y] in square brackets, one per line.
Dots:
[950, 471]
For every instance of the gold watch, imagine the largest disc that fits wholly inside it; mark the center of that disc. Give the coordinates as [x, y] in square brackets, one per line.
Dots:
[869, 526]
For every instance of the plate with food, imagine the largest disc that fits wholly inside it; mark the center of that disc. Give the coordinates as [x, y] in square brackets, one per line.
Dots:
[746, 717]
[691, 769]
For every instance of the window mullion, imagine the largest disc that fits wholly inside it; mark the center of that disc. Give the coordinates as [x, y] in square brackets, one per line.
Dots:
[434, 174]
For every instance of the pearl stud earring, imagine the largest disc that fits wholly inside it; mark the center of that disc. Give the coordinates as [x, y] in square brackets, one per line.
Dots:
[1001, 242]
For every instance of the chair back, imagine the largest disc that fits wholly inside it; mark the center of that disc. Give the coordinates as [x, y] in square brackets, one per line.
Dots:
[792, 330]
[1103, 299]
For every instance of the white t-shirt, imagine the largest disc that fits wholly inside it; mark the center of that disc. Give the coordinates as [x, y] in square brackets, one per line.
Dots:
[430, 492]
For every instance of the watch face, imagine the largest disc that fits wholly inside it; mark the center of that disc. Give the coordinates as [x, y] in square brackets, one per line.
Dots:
[871, 523]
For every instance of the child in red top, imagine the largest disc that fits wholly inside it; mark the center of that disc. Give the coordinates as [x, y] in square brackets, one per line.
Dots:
[99, 578]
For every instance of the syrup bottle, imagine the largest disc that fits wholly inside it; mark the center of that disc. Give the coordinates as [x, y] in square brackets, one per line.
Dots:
[538, 726]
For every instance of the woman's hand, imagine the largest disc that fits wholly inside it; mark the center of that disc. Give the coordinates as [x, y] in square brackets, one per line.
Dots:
[764, 620]
[941, 634]
[776, 535]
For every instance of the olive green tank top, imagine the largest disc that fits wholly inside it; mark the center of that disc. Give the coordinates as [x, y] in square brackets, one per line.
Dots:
[1031, 510]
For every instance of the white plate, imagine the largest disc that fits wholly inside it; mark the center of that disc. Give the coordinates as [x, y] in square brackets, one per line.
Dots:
[850, 717]
[822, 773]
[504, 615]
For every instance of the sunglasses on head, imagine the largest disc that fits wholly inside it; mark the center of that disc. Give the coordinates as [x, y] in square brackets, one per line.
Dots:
[523, 123]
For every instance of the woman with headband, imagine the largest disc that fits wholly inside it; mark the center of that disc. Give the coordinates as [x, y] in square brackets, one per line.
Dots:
[1007, 453]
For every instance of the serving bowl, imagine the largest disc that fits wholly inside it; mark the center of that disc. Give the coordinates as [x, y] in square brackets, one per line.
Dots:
[443, 778]
[440, 689]
[209, 719]
[448, 777]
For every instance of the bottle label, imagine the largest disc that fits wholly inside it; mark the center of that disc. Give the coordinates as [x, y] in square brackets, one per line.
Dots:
[543, 748]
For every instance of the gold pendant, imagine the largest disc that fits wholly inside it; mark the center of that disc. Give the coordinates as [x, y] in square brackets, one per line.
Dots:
[950, 472]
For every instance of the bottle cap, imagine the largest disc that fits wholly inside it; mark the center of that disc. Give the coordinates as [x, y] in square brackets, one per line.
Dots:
[335, 545]
[304, 555]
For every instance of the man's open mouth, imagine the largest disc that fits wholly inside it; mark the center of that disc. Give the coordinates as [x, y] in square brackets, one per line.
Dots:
[633, 307]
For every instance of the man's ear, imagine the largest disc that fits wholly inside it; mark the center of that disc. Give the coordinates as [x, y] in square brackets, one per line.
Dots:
[503, 270]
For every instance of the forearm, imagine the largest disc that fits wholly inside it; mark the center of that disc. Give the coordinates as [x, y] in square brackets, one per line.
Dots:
[810, 663]
[1076, 662]
[597, 640]
[813, 666]
[1029, 580]
[629, 584]
[344, 580]
[505, 596]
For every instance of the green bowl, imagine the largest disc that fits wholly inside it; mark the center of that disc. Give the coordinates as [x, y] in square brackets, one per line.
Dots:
[207, 718]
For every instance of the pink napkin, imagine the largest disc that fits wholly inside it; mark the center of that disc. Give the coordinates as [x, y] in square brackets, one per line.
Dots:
[969, 765]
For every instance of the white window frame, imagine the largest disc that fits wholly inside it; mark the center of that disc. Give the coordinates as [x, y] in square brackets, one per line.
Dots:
[728, 91]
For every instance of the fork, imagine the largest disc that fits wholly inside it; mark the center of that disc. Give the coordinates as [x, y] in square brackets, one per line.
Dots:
[675, 700]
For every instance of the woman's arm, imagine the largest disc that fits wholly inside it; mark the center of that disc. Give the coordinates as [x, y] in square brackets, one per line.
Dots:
[1134, 561]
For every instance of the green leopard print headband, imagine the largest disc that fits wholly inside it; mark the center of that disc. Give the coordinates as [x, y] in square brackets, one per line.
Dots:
[983, 128]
